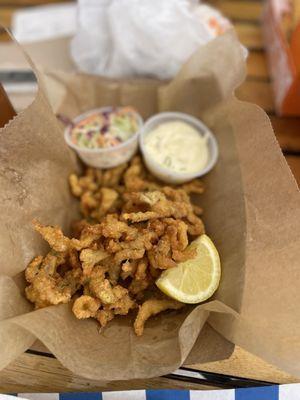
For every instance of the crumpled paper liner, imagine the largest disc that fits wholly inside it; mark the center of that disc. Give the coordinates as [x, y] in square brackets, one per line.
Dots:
[251, 208]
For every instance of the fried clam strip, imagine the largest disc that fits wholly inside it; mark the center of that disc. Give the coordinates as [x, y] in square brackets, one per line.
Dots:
[113, 228]
[46, 290]
[159, 207]
[85, 307]
[195, 186]
[47, 285]
[195, 225]
[115, 299]
[129, 269]
[109, 295]
[48, 264]
[160, 255]
[88, 203]
[33, 268]
[89, 235]
[104, 316]
[134, 227]
[113, 176]
[141, 277]
[90, 257]
[135, 249]
[136, 179]
[85, 183]
[78, 227]
[107, 201]
[54, 236]
[153, 307]
[178, 237]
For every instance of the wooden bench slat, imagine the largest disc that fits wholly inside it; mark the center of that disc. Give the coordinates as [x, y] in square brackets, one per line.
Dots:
[257, 65]
[250, 35]
[6, 15]
[240, 10]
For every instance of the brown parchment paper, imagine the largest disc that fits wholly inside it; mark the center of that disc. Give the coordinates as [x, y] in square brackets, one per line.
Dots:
[251, 213]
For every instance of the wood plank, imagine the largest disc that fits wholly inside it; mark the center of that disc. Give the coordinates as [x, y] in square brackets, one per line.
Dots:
[250, 35]
[257, 92]
[240, 10]
[287, 131]
[6, 15]
[294, 164]
[34, 373]
[257, 65]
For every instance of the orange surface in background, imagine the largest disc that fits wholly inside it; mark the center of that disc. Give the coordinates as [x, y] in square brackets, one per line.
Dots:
[289, 103]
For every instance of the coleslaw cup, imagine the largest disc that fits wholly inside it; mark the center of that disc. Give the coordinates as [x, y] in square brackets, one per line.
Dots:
[109, 157]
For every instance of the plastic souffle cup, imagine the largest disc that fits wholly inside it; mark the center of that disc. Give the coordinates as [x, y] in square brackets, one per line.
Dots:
[165, 174]
[105, 158]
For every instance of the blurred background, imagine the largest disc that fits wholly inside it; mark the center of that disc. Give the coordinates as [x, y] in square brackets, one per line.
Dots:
[269, 29]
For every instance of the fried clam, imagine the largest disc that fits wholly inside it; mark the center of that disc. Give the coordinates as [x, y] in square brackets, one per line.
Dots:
[106, 202]
[160, 256]
[128, 269]
[85, 307]
[33, 268]
[112, 177]
[90, 257]
[153, 307]
[133, 227]
[194, 187]
[113, 228]
[89, 235]
[85, 183]
[160, 206]
[48, 286]
[104, 316]
[142, 279]
[46, 290]
[53, 235]
[88, 203]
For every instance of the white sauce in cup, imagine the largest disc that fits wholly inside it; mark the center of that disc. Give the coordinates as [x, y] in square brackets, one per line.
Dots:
[177, 145]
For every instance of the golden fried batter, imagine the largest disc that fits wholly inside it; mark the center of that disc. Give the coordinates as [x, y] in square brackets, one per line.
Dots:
[85, 307]
[194, 186]
[133, 227]
[53, 235]
[104, 316]
[90, 258]
[153, 307]
[75, 186]
[33, 268]
[46, 290]
[108, 198]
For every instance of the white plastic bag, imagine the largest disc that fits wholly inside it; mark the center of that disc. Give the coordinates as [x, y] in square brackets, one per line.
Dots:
[125, 38]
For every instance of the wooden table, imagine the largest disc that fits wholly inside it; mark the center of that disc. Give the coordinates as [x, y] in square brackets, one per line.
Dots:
[39, 373]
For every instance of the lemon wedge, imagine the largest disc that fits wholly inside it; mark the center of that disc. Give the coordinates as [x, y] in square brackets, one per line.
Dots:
[194, 280]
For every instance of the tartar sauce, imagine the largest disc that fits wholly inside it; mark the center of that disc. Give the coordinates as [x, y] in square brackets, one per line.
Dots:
[177, 146]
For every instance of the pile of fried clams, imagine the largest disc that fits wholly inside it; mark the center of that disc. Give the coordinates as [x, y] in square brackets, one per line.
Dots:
[134, 227]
